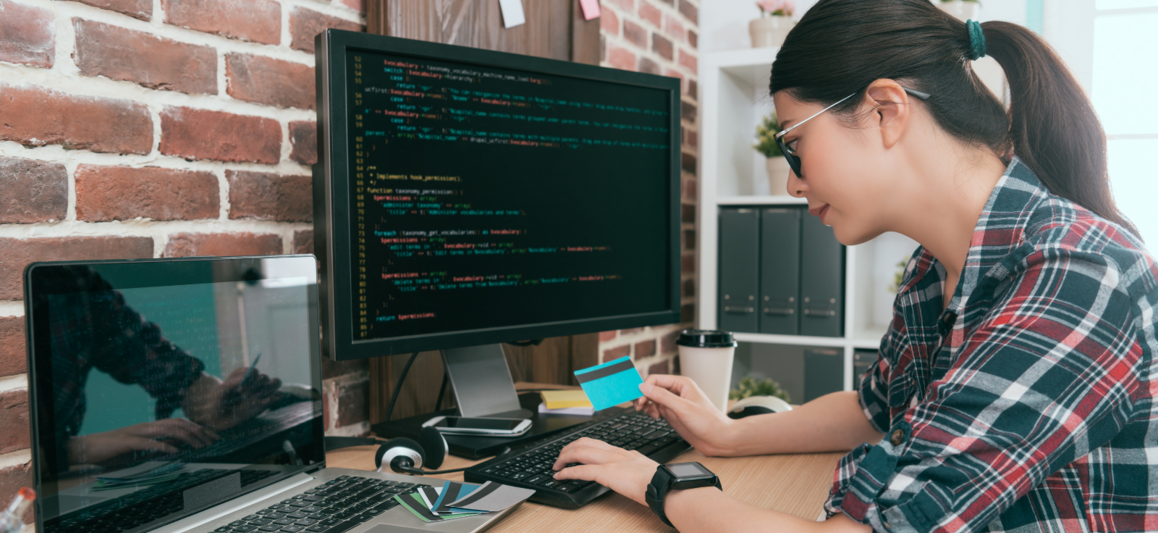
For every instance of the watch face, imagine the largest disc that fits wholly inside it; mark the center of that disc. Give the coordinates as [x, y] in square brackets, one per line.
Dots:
[686, 470]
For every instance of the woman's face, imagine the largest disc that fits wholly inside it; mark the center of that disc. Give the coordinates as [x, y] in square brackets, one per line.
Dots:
[837, 162]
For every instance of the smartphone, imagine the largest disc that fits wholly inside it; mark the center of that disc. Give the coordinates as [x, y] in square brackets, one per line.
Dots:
[481, 427]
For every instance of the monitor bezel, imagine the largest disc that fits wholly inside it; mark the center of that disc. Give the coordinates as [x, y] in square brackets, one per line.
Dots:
[178, 271]
[331, 211]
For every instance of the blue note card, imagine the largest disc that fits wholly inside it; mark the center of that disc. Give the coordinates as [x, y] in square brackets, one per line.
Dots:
[610, 383]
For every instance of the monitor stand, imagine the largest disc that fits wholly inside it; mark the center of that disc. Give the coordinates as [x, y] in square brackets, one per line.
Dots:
[483, 388]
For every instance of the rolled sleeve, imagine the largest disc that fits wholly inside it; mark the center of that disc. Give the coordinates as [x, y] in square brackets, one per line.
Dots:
[1052, 371]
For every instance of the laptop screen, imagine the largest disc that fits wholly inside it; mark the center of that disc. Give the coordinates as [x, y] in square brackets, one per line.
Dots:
[163, 387]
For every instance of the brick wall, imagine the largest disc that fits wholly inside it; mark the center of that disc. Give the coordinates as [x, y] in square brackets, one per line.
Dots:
[155, 128]
[659, 37]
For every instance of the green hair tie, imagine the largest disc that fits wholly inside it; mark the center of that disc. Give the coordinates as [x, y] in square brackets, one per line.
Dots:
[976, 40]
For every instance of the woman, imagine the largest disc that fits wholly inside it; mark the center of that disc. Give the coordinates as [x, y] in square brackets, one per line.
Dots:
[1014, 389]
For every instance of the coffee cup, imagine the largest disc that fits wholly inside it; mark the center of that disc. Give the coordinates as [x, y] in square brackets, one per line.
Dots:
[706, 357]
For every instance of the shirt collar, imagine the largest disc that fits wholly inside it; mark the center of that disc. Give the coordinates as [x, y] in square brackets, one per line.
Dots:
[1000, 229]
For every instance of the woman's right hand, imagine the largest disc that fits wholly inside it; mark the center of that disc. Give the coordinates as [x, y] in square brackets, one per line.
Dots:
[689, 411]
[97, 448]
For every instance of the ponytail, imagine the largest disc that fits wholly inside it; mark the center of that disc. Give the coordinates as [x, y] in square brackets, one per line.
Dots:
[1053, 126]
[841, 46]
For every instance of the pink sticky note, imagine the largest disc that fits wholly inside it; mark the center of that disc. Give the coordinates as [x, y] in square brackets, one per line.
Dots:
[590, 8]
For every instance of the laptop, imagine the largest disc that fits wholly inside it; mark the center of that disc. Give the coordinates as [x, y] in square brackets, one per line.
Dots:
[186, 395]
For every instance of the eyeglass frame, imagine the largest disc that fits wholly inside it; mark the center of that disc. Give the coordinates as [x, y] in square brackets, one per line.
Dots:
[793, 159]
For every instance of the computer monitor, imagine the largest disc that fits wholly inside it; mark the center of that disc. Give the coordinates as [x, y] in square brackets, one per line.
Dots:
[465, 198]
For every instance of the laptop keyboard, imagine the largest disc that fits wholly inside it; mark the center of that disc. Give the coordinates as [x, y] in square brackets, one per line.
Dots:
[145, 505]
[530, 466]
[335, 507]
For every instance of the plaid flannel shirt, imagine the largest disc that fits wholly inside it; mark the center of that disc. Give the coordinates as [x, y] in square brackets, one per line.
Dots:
[1028, 403]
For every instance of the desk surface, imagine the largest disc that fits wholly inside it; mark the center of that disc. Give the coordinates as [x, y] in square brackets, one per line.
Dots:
[793, 484]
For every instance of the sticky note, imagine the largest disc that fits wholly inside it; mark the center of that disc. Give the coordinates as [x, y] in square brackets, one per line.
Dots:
[610, 383]
[559, 399]
[493, 497]
[512, 12]
[590, 8]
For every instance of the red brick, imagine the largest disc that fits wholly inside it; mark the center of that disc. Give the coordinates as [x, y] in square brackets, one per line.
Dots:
[689, 288]
[693, 89]
[672, 73]
[690, 189]
[13, 358]
[303, 242]
[616, 353]
[688, 264]
[304, 138]
[609, 22]
[607, 335]
[202, 134]
[644, 349]
[251, 20]
[650, 13]
[635, 34]
[620, 57]
[222, 244]
[27, 34]
[690, 239]
[674, 28]
[14, 420]
[356, 5]
[688, 60]
[307, 23]
[631, 331]
[659, 368]
[693, 39]
[667, 343]
[627, 5]
[269, 81]
[688, 112]
[690, 11]
[675, 365]
[127, 55]
[691, 138]
[353, 404]
[661, 46]
[11, 480]
[687, 313]
[34, 191]
[121, 193]
[36, 116]
[15, 254]
[648, 66]
[138, 9]
[688, 163]
[688, 213]
[265, 196]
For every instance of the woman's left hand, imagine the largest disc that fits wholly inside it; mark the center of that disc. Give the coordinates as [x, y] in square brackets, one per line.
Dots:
[625, 472]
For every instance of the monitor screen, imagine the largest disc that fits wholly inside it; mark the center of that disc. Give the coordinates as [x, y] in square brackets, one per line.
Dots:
[163, 387]
[491, 197]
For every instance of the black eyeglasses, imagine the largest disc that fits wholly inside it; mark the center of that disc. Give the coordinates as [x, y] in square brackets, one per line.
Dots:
[790, 155]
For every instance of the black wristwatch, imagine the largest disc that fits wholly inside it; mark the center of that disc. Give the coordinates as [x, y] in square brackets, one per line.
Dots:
[677, 476]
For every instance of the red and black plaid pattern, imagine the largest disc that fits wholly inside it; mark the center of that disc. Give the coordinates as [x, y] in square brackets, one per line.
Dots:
[1028, 403]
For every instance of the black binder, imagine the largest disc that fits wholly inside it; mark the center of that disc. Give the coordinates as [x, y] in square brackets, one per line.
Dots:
[823, 372]
[739, 269]
[821, 280]
[780, 271]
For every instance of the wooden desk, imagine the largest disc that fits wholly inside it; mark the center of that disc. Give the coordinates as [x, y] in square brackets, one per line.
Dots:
[793, 484]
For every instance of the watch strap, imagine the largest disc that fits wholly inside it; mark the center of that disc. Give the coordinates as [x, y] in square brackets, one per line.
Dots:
[657, 490]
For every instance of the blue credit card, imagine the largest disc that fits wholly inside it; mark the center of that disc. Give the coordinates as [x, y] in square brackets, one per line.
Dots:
[610, 383]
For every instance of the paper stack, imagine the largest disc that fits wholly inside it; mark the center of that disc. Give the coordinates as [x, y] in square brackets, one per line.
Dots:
[460, 500]
[565, 402]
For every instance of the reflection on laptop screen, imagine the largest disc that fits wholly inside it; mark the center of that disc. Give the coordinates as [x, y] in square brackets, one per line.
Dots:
[164, 387]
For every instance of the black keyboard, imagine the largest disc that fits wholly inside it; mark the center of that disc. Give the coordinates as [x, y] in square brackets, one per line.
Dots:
[335, 507]
[530, 466]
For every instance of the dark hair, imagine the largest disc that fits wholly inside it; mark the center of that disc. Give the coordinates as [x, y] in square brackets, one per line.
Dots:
[841, 46]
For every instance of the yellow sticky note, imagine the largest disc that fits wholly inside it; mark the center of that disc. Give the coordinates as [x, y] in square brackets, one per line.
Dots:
[559, 399]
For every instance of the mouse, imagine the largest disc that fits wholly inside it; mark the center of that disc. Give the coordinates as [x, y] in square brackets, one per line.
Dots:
[758, 405]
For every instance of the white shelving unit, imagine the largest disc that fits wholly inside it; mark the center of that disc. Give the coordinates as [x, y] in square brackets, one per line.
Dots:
[733, 98]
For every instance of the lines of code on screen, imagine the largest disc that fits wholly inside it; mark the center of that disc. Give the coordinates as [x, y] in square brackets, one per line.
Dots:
[484, 198]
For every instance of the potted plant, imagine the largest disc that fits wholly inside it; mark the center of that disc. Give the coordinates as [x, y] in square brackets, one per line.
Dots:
[774, 23]
[774, 161]
[962, 9]
[749, 386]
